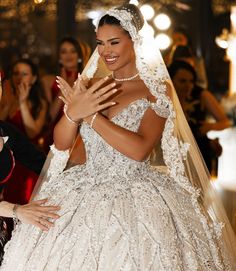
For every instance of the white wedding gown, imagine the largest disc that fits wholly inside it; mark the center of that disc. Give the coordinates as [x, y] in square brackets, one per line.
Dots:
[116, 214]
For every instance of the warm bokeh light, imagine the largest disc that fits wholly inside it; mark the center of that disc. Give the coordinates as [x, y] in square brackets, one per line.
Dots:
[94, 15]
[147, 11]
[134, 2]
[221, 43]
[231, 52]
[233, 16]
[222, 40]
[147, 30]
[163, 41]
[162, 21]
[226, 163]
[39, 1]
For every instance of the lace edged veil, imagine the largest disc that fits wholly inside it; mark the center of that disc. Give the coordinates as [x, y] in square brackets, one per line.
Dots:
[178, 151]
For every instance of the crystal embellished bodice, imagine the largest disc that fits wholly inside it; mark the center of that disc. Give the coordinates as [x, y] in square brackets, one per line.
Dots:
[102, 156]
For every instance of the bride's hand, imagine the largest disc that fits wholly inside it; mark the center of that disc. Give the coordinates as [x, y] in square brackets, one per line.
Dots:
[36, 213]
[84, 101]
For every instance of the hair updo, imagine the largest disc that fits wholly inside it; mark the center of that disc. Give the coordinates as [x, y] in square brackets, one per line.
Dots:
[137, 17]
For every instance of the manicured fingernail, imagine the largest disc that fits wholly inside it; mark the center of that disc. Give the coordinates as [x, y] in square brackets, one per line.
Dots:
[114, 90]
[106, 78]
[113, 84]
[113, 103]
[58, 77]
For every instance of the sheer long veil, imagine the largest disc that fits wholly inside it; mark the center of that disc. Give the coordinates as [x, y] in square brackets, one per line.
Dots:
[178, 152]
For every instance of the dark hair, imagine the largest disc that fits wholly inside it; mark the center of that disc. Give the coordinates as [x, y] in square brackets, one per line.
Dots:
[36, 94]
[107, 19]
[78, 49]
[182, 51]
[110, 20]
[137, 17]
[181, 65]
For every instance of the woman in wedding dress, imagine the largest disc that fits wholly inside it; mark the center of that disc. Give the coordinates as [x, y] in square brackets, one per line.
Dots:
[118, 213]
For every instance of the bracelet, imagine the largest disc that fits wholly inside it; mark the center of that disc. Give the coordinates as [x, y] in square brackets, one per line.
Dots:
[66, 115]
[93, 119]
[14, 211]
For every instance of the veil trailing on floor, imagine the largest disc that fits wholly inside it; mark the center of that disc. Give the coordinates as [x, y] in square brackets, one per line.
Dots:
[177, 152]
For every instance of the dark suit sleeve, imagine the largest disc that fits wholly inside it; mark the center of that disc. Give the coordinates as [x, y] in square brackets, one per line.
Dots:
[6, 164]
[24, 151]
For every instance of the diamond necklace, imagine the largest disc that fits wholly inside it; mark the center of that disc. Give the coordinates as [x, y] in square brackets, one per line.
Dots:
[125, 79]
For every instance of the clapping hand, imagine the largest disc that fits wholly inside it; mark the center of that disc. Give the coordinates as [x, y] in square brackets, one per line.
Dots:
[83, 101]
[23, 91]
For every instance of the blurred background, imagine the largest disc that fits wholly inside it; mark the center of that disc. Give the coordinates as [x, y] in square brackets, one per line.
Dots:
[34, 27]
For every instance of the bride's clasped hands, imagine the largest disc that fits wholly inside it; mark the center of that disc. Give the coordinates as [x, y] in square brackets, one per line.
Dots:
[83, 101]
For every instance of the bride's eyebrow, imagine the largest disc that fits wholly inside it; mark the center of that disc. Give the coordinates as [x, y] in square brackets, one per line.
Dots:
[109, 39]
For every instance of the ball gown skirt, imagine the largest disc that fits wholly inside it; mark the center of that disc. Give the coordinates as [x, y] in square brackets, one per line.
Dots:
[116, 214]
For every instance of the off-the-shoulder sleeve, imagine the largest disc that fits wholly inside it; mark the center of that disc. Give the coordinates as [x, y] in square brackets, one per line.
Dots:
[58, 161]
[161, 106]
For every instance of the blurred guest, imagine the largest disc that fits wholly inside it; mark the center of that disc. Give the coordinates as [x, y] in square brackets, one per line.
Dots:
[26, 109]
[185, 53]
[182, 49]
[198, 104]
[71, 57]
[179, 37]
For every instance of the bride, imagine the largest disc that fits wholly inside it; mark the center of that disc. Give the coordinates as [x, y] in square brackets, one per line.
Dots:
[117, 212]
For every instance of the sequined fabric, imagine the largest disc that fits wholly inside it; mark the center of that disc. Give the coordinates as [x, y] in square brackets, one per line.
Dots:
[117, 214]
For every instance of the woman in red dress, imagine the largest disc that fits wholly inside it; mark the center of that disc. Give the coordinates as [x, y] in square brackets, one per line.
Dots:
[27, 110]
[71, 57]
